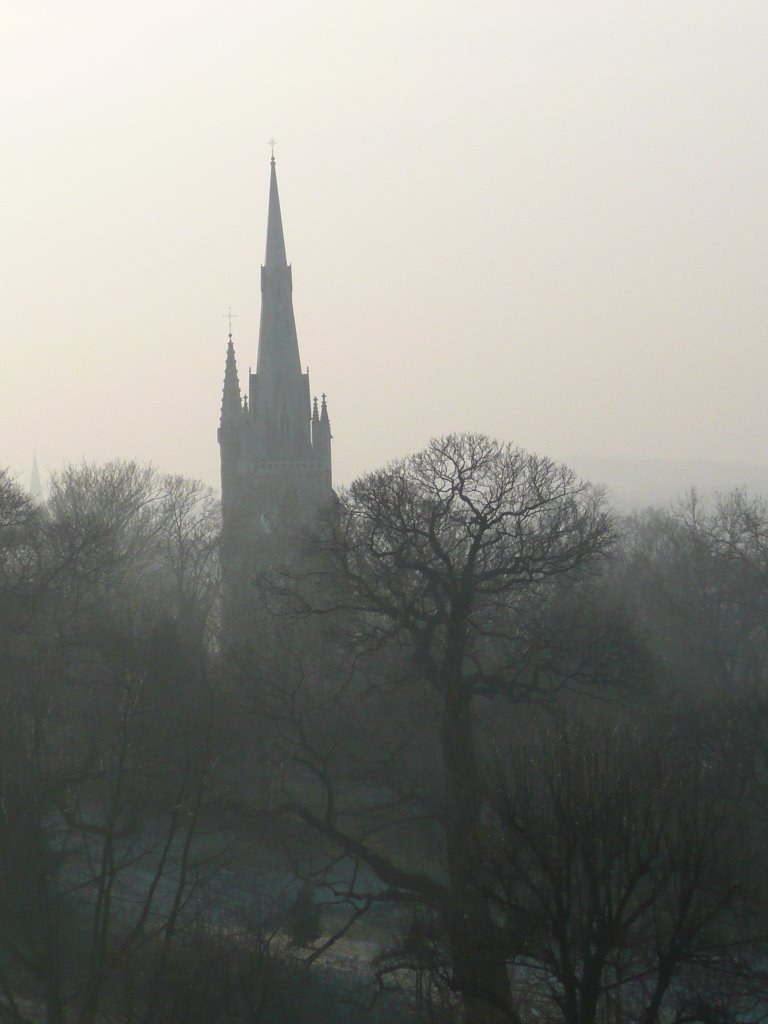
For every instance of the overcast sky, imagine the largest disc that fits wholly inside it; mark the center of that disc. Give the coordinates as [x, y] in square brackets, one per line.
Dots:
[543, 220]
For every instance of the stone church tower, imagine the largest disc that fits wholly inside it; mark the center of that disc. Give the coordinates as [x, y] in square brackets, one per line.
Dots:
[275, 446]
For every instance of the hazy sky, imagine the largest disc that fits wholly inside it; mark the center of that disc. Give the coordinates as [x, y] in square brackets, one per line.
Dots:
[543, 220]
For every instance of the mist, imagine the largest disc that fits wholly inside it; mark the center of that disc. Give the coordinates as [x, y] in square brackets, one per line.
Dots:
[383, 513]
[540, 223]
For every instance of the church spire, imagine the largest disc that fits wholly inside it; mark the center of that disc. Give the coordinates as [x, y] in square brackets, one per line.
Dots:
[275, 256]
[35, 487]
[278, 364]
[321, 432]
[274, 443]
[324, 419]
[230, 399]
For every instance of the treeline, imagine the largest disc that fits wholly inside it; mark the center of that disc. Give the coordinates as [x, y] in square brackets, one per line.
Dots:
[481, 751]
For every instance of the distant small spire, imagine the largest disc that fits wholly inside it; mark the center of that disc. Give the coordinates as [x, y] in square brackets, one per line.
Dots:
[35, 487]
[315, 413]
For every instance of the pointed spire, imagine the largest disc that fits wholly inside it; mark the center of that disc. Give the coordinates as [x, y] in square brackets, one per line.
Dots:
[315, 413]
[35, 487]
[230, 399]
[278, 359]
[275, 256]
[321, 434]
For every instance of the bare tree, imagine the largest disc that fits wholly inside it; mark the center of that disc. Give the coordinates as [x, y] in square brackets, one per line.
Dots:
[426, 570]
[107, 729]
[617, 857]
[20, 558]
[697, 577]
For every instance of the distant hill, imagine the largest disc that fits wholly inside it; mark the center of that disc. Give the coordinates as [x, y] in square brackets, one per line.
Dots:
[637, 483]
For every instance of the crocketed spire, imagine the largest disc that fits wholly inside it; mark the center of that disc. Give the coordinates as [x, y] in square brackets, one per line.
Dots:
[231, 403]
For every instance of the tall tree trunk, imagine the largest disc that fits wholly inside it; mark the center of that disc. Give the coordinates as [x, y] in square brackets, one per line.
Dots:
[479, 965]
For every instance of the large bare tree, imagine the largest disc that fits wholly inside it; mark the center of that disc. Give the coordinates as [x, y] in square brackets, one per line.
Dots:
[425, 573]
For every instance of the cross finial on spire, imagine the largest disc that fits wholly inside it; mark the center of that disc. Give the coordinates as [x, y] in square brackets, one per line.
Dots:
[272, 143]
[229, 315]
